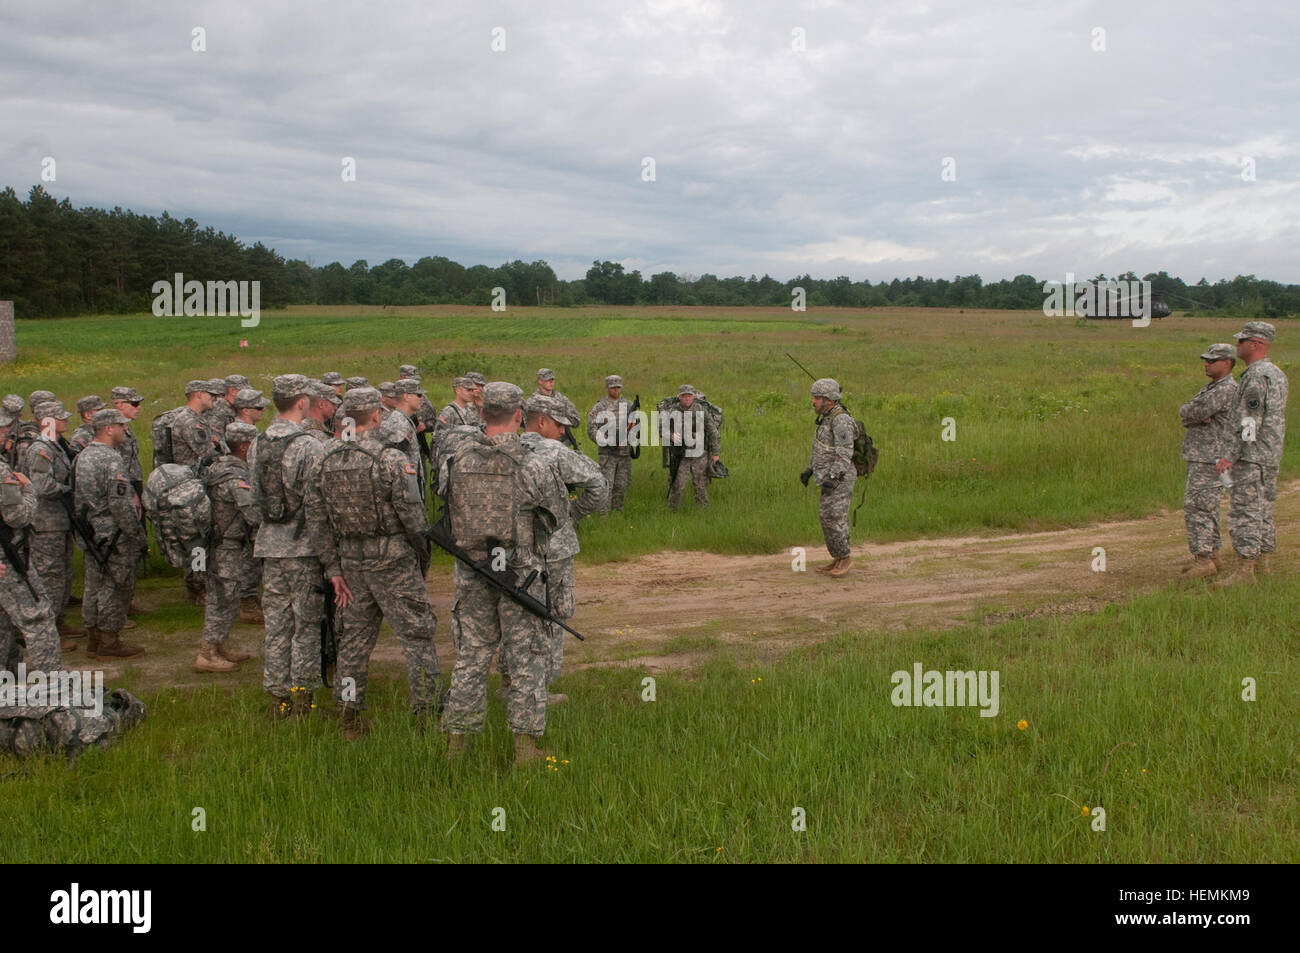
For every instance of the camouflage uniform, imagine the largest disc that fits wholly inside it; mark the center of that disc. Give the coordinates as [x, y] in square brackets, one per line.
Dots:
[833, 470]
[1208, 418]
[235, 517]
[1261, 396]
[221, 414]
[105, 495]
[292, 599]
[695, 470]
[23, 614]
[615, 461]
[453, 423]
[482, 617]
[80, 438]
[192, 441]
[36, 729]
[50, 470]
[368, 523]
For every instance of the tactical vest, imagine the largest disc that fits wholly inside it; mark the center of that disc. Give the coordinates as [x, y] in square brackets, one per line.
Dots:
[349, 481]
[275, 502]
[483, 498]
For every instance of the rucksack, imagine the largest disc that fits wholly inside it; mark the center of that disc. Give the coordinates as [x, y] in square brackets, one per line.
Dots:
[864, 451]
[348, 477]
[273, 499]
[160, 434]
[483, 500]
[178, 506]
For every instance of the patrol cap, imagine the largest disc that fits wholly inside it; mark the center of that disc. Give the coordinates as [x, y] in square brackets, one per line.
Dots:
[361, 399]
[250, 398]
[290, 385]
[826, 387]
[323, 391]
[6, 420]
[50, 408]
[462, 382]
[545, 374]
[502, 396]
[13, 405]
[237, 381]
[687, 389]
[552, 407]
[217, 386]
[127, 394]
[358, 382]
[478, 379]
[39, 396]
[332, 378]
[106, 417]
[1220, 352]
[613, 380]
[387, 388]
[408, 385]
[193, 387]
[409, 371]
[89, 404]
[1257, 329]
[239, 432]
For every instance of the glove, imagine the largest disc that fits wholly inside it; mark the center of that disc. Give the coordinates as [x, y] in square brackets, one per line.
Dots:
[805, 476]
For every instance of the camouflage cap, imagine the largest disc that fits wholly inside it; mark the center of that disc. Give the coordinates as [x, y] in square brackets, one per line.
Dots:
[1220, 352]
[6, 420]
[613, 380]
[50, 408]
[826, 387]
[408, 385]
[478, 379]
[545, 374]
[360, 399]
[290, 385]
[464, 382]
[239, 432]
[387, 388]
[249, 398]
[552, 407]
[322, 391]
[1257, 329]
[128, 394]
[193, 387]
[358, 382]
[89, 404]
[332, 378]
[217, 386]
[107, 416]
[37, 396]
[502, 396]
[13, 405]
[409, 371]
[237, 381]
[686, 389]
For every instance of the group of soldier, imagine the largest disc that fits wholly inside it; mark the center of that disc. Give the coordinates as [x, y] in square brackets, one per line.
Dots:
[1235, 432]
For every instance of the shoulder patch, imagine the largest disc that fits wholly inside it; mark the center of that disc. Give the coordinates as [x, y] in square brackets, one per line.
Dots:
[409, 468]
[45, 453]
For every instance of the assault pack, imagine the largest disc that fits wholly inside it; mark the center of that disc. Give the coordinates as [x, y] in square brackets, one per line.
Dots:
[864, 451]
[32, 729]
[486, 516]
[273, 498]
[160, 434]
[351, 472]
[176, 500]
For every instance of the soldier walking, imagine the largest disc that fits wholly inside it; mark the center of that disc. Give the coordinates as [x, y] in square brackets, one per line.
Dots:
[832, 468]
[1208, 418]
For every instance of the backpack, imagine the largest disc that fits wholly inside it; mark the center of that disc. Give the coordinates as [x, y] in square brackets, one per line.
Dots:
[160, 434]
[483, 499]
[864, 451]
[348, 479]
[273, 499]
[178, 506]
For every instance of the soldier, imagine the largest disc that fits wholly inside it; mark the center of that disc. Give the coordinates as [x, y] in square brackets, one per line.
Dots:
[103, 495]
[401, 421]
[335, 380]
[833, 470]
[86, 408]
[11, 408]
[49, 468]
[427, 415]
[462, 411]
[250, 406]
[223, 405]
[694, 464]
[193, 442]
[126, 401]
[26, 431]
[546, 388]
[611, 417]
[319, 421]
[1254, 452]
[234, 524]
[548, 416]
[25, 609]
[280, 462]
[368, 523]
[479, 382]
[1209, 422]
[503, 498]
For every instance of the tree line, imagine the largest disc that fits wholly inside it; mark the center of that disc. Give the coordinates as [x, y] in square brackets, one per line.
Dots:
[57, 260]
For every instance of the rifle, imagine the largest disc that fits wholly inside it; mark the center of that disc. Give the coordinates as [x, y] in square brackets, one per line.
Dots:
[17, 560]
[635, 451]
[503, 580]
[329, 646]
[84, 531]
[570, 440]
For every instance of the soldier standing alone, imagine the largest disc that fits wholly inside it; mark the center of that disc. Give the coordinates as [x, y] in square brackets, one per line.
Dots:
[1209, 423]
[832, 468]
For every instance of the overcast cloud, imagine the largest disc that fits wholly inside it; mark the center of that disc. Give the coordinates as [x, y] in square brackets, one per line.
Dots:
[767, 159]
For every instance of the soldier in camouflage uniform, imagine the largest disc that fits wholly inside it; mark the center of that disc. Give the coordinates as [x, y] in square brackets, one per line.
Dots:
[11, 408]
[105, 497]
[49, 468]
[400, 422]
[547, 418]
[281, 462]
[335, 380]
[234, 525]
[427, 414]
[126, 401]
[250, 405]
[193, 442]
[368, 523]
[1255, 452]
[831, 467]
[607, 430]
[695, 469]
[503, 498]
[1208, 418]
[460, 414]
[25, 609]
[86, 408]
[546, 388]
[222, 411]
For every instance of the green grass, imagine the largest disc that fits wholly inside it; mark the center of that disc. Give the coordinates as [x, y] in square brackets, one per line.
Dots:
[1137, 709]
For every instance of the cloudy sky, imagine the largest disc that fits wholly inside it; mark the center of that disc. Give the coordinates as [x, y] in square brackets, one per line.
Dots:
[768, 157]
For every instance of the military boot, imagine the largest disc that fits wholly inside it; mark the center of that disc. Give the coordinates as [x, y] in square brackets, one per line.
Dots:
[457, 745]
[279, 708]
[1200, 567]
[74, 600]
[829, 566]
[841, 567]
[68, 645]
[224, 650]
[71, 631]
[1244, 573]
[303, 701]
[111, 646]
[1218, 561]
[354, 724]
[250, 611]
[526, 750]
[92, 641]
[210, 660]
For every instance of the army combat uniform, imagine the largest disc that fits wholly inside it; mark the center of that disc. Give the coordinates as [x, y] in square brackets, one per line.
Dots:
[616, 460]
[1208, 418]
[697, 469]
[832, 469]
[25, 610]
[48, 467]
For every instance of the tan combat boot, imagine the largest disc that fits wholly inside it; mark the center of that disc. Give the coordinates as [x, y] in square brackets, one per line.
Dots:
[224, 651]
[210, 660]
[1200, 567]
[92, 641]
[250, 611]
[71, 631]
[457, 745]
[526, 750]
[302, 702]
[111, 646]
[1218, 561]
[841, 567]
[68, 645]
[1245, 573]
[829, 566]
[354, 725]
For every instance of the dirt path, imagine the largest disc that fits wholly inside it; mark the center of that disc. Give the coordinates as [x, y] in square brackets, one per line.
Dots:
[677, 609]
